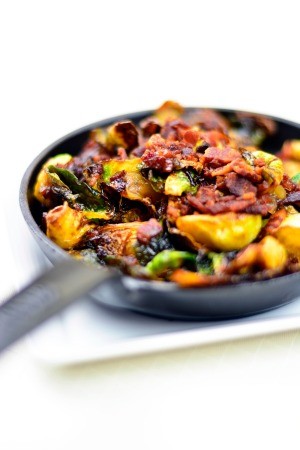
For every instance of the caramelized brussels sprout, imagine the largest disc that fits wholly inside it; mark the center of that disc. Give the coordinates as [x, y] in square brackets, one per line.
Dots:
[87, 198]
[177, 183]
[99, 135]
[110, 168]
[291, 167]
[118, 239]
[168, 111]
[225, 232]
[136, 187]
[273, 171]
[66, 226]
[288, 234]
[291, 149]
[268, 254]
[122, 134]
[183, 240]
[44, 180]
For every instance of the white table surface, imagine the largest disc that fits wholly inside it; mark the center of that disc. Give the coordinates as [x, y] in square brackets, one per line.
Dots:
[66, 64]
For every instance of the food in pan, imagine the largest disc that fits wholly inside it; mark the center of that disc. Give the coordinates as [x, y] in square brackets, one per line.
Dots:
[184, 196]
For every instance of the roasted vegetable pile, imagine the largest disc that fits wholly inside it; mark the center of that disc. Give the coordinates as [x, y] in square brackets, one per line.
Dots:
[183, 196]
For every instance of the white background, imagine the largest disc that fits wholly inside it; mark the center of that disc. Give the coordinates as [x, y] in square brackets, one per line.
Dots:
[65, 64]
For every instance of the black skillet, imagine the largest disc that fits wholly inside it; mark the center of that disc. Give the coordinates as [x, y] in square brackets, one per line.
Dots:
[69, 279]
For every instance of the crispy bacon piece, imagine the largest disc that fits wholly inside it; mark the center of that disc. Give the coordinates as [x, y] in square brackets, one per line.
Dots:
[274, 223]
[217, 157]
[148, 230]
[208, 200]
[239, 166]
[222, 161]
[219, 205]
[191, 136]
[165, 156]
[162, 159]
[238, 185]
[178, 207]
[264, 205]
[288, 184]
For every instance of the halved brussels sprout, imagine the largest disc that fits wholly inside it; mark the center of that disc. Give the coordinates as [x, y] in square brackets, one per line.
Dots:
[183, 240]
[88, 199]
[66, 226]
[225, 232]
[291, 167]
[118, 239]
[291, 149]
[268, 254]
[110, 168]
[271, 253]
[169, 110]
[99, 135]
[177, 183]
[273, 171]
[122, 134]
[137, 187]
[288, 234]
[45, 180]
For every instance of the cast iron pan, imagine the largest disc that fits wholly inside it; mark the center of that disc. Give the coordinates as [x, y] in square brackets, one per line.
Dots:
[71, 279]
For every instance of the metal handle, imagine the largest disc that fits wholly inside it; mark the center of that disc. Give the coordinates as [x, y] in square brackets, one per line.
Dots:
[46, 296]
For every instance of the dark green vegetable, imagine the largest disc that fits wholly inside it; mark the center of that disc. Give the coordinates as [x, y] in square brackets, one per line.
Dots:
[157, 181]
[61, 190]
[209, 263]
[144, 253]
[169, 260]
[87, 196]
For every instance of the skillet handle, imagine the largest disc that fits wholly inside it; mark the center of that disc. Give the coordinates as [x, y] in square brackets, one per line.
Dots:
[47, 295]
